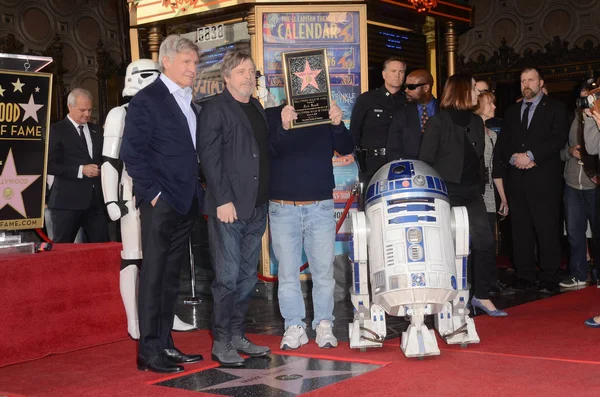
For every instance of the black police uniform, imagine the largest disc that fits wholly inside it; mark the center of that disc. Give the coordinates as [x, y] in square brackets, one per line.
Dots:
[370, 124]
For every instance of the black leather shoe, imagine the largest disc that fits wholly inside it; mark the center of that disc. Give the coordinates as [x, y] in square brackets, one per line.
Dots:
[159, 364]
[548, 288]
[174, 355]
[523, 285]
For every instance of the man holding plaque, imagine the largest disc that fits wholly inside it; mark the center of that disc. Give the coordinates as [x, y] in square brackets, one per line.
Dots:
[372, 115]
[301, 214]
[307, 87]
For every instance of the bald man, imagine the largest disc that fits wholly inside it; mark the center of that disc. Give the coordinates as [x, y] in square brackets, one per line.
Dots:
[408, 123]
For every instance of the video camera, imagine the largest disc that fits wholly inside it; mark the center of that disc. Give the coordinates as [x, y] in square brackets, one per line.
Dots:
[591, 101]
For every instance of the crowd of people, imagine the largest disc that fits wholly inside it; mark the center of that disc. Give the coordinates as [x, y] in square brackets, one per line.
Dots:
[530, 162]
[255, 166]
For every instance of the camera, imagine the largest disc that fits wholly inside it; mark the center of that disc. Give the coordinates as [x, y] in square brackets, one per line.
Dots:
[591, 101]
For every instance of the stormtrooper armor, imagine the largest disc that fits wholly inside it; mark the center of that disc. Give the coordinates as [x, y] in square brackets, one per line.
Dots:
[414, 249]
[119, 199]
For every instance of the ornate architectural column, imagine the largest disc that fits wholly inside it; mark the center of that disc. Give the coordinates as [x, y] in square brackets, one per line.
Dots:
[105, 68]
[55, 50]
[155, 37]
[451, 47]
[251, 20]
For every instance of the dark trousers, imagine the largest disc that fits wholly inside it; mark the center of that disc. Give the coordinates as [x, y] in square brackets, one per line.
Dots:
[483, 255]
[595, 251]
[94, 221]
[235, 250]
[165, 234]
[535, 215]
[373, 165]
[580, 207]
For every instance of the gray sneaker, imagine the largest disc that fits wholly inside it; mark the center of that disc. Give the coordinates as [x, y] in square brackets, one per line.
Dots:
[226, 355]
[244, 346]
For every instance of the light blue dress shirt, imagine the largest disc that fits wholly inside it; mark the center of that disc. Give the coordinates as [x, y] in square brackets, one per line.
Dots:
[183, 96]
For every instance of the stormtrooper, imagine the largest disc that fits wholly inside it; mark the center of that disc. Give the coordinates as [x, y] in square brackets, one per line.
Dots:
[119, 199]
[413, 247]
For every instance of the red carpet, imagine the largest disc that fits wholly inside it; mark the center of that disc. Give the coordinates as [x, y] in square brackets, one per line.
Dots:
[541, 349]
[60, 300]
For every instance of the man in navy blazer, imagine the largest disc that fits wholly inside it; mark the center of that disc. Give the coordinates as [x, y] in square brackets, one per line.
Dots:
[160, 152]
[408, 123]
[74, 158]
[534, 132]
[234, 153]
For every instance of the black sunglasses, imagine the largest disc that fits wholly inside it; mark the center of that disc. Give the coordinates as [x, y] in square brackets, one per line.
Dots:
[413, 87]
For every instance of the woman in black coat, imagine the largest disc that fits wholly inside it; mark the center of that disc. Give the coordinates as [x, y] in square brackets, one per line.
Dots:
[453, 143]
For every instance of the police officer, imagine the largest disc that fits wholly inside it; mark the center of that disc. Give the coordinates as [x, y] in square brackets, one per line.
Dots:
[372, 116]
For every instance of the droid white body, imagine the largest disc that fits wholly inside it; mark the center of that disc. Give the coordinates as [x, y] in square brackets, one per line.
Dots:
[413, 247]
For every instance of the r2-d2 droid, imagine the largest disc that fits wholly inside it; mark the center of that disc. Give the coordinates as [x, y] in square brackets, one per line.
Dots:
[414, 249]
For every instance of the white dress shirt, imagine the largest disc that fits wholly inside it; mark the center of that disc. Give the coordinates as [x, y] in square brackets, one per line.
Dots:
[88, 139]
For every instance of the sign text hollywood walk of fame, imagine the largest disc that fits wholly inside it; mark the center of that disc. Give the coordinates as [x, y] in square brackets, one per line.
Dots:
[24, 122]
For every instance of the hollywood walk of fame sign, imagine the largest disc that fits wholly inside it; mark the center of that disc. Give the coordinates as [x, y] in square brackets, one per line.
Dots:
[307, 88]
[273, 376]
[24, 122]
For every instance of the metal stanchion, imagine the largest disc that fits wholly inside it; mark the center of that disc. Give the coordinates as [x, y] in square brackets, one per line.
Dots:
[193, 299]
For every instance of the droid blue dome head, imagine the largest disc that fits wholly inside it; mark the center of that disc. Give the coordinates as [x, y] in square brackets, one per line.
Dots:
[405, 179]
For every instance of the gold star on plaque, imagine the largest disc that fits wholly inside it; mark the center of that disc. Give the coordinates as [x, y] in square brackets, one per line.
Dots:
[2, 91]
[18, 86]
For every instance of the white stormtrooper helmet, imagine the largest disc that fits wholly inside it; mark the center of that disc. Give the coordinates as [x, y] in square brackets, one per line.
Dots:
[139, 74]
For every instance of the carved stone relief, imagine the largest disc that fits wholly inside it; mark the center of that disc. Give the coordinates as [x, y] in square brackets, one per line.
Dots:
[79, 24]
[529, 26]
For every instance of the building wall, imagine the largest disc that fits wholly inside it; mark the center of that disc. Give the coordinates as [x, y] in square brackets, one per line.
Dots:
[79, 24]
[529, 24]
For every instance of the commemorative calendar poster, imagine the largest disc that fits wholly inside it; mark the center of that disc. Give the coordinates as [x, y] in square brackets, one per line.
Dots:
[338, 31]
[24, 122]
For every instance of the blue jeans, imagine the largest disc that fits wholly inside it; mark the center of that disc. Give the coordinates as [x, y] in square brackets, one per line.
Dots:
[579, 208]
[314, 227]
[235, 250]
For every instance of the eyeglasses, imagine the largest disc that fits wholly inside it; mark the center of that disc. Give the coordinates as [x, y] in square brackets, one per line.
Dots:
[412, 87]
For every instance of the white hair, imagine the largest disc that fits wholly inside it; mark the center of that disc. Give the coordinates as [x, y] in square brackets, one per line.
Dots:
[173, 45]
[76, 93]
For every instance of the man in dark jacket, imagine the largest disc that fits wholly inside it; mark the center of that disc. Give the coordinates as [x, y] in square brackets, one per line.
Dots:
[234, 156]
[372, 115]
[301, 214]
[534, 132]
[74, 155]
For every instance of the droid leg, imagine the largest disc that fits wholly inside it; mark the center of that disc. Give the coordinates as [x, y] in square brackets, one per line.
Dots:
[453, 322]
[368, 328]
[418, 340]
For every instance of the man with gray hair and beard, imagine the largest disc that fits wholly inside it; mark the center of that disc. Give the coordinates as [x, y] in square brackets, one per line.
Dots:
[159, 150]
[233, 138]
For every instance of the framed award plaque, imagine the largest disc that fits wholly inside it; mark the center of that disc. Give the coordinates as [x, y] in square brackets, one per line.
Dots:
[306, 75]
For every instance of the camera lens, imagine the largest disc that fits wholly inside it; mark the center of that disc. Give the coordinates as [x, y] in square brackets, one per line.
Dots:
[583, 103]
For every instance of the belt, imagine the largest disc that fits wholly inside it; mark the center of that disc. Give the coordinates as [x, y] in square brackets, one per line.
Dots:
[375, 152]
[295, 203]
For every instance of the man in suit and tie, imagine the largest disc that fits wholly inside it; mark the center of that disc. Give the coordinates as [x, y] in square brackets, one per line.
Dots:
[534, 132]
[159, 150]
[74, 158]
[408, 123]
[234, 152]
